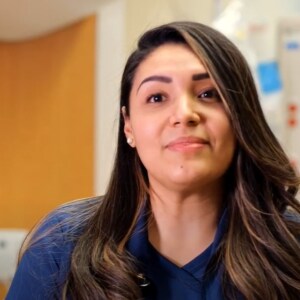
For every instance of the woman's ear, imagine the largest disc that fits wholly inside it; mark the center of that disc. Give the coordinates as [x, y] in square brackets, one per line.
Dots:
[124, 112]
[127, 127]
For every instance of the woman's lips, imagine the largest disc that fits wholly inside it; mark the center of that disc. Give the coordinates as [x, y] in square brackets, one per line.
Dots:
[187, 144]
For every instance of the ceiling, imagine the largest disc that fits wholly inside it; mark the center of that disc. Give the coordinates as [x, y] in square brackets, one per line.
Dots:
[27, 19]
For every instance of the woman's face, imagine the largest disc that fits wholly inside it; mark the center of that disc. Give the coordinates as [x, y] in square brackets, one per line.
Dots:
[177, 121]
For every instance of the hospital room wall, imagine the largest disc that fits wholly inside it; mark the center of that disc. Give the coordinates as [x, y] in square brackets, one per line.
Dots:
[46, 122]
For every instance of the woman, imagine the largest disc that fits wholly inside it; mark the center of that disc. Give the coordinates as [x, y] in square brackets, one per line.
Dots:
[201, 202]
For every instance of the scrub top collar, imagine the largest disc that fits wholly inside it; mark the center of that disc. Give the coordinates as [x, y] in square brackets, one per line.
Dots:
[153, 263]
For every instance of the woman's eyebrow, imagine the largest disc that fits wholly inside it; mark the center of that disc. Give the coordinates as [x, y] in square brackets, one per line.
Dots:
[167, 79]
[200, 76]
[160, 78]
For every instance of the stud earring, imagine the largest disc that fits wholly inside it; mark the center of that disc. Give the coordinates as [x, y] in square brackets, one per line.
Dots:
[129, 140]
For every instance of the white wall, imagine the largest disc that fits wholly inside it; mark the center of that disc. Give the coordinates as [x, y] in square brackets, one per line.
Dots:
[144, 14]
[110, 59]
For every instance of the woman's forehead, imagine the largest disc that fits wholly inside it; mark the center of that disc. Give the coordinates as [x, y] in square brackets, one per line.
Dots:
[169, 59]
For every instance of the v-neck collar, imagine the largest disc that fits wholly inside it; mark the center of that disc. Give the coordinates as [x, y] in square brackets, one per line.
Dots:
[152, 262]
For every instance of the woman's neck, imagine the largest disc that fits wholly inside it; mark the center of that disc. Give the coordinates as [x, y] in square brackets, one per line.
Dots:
[183, 225]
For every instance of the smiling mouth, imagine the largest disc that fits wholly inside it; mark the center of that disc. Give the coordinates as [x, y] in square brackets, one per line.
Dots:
[187, 144]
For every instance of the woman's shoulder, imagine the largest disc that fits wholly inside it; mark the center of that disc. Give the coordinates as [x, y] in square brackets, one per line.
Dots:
[45, 260]
[65, 222]
[72, 216]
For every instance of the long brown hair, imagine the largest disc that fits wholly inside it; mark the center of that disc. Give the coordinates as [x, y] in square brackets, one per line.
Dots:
[259, 253]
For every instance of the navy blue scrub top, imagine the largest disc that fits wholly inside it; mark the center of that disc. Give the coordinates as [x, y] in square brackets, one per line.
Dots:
[45, 265]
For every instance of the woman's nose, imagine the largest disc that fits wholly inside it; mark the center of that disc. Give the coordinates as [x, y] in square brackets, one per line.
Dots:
[186, 112]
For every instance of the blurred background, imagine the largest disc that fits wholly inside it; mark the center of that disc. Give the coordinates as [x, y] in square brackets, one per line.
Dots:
[60, 68]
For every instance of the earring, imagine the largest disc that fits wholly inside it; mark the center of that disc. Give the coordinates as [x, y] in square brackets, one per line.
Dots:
[129, 140]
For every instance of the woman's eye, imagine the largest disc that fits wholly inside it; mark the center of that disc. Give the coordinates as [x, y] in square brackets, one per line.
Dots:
[156, 98]
[211, 94]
